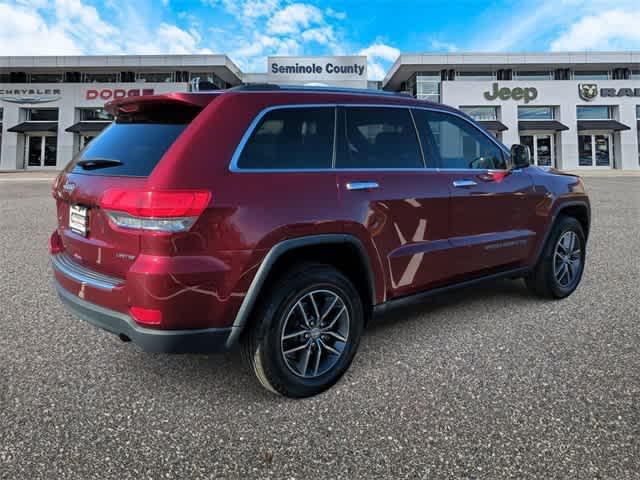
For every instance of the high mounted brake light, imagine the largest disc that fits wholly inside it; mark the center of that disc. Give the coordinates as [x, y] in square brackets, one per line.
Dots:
[166, 211]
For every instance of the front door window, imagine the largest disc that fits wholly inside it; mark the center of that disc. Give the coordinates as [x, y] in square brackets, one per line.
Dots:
[42, 151]
[595, 150]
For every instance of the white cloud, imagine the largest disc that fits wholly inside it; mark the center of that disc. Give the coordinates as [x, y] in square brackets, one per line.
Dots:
[380, 50]
[321, 35]
[379, 55]
[613, 29]
[293, 18]
[260, 8]
[443, 46]
[334, 14]
[30, 35]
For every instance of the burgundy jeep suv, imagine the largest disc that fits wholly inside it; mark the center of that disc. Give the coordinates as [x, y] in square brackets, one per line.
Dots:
[282, 218]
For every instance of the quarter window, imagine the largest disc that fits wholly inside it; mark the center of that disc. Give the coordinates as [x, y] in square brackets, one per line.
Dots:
[379, 138]
[456, 143]
[291, 138]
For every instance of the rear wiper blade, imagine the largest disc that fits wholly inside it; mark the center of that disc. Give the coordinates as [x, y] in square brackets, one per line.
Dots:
[93, 163]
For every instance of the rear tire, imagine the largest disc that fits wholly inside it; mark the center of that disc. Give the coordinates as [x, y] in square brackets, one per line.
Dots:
[559, 269]
[305, 331]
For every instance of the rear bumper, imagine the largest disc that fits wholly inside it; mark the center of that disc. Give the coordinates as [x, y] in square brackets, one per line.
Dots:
[206, 340]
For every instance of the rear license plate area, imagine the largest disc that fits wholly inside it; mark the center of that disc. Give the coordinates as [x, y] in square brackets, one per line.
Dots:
[79, 219]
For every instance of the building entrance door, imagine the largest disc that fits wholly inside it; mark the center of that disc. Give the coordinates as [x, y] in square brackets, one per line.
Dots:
[41, 151]
[542, 148]
[595, 150]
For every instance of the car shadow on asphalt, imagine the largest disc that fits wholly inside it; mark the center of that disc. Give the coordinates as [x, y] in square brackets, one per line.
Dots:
[472, 296]
[226, 374]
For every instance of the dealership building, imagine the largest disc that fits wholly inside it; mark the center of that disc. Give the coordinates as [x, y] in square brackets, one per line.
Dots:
[574, 110]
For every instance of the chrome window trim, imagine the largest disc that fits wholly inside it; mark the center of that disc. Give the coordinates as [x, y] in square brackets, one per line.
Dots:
[233, 165]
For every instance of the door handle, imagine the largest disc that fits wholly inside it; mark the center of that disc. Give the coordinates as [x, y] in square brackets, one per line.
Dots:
[362, 185]
[464, 183]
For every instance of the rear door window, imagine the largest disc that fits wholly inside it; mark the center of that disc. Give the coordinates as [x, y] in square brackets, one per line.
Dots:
[291, 138]
[378, 137]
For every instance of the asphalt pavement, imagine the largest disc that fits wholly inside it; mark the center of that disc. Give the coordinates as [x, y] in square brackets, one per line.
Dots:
[488, 382]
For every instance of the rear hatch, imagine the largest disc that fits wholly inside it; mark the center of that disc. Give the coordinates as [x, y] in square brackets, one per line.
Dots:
[118, 161]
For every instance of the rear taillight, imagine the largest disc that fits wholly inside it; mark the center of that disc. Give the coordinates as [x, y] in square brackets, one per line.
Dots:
[167, 211]
[55, 243]
[146, 316]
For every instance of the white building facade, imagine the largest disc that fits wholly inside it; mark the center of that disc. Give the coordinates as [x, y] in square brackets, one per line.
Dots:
[574, 110]
[50, 107]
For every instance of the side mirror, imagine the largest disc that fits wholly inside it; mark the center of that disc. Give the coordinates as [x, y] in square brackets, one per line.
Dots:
[520, 156]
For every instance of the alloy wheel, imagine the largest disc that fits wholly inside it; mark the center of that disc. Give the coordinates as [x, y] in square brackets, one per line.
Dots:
[567, 259]
[315, 333]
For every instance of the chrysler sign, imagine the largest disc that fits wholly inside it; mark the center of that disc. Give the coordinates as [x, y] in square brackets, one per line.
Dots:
[30, 95]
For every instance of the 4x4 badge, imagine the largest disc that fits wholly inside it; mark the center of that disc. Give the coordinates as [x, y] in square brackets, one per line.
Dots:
[69, 187]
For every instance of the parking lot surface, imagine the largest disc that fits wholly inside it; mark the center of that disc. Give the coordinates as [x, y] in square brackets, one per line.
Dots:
[488, 382]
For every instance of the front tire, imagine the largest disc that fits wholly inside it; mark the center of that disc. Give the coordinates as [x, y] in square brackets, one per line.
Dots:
[559, 270]
[305, 332]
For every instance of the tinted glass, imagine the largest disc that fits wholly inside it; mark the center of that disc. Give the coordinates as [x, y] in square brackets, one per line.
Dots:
[591, 75]
[481, 113]
[292, 138]
[594, 112]
[91, 114]
[379, 138]
[43, 114]
[139, 146]
[456, 143]
[536, 113]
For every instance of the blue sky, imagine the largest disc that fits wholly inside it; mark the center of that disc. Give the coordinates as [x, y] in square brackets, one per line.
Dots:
[250, 30]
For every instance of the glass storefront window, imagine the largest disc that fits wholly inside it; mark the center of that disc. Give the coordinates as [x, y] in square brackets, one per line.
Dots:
[594, 112]
[41, 151]
[94, 114]
[591, 75]
[42, 115]
[637, 112]
[157, 77]
[45, 77]
[101, 77]
[475, 75]
[635, 75]
[595, 150]
[425, 86]
[481, 113]
[536, 113]
[532, 75]
[207, 77]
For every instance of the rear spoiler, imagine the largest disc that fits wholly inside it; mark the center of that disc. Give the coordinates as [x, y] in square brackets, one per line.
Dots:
[140, 103]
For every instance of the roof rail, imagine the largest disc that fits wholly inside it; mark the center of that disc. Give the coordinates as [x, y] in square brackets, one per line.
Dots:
[262, 87]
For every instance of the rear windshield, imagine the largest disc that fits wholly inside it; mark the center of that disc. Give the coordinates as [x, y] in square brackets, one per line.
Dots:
[134, 144]
[136, 148]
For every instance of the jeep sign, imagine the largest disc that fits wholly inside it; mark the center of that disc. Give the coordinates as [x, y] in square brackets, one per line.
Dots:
[517, 93]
